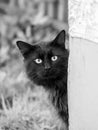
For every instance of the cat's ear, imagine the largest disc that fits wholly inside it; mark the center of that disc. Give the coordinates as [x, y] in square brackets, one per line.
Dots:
[60, 38]
[24, 47]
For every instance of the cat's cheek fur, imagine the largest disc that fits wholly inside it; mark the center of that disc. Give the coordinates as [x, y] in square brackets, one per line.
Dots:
[31, 72]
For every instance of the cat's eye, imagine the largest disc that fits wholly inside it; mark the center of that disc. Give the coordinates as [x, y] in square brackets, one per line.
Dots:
[54, 58]
[38, 61]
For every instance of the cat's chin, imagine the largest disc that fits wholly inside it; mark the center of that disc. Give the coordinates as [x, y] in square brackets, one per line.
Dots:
[48, 77]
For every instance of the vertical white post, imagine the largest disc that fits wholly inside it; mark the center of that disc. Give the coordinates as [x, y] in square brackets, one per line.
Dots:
[42, 8]
[83, 65]
[51, 9]
[61, 9]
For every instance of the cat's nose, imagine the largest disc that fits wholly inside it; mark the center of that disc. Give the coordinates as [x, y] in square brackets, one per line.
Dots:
[47, 66]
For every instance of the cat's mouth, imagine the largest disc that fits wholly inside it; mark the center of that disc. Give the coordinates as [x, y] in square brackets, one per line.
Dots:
[48, 76]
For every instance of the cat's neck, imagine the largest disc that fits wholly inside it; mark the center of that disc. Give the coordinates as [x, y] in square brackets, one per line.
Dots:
[58, 95]
[60, 85]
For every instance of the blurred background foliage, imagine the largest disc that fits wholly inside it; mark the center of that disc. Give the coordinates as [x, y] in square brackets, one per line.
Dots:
[31, 21]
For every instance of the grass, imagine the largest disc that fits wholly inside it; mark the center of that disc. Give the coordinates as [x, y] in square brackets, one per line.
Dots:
[31, 111]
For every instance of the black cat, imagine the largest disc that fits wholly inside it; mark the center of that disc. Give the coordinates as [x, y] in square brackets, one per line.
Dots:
[46, 65]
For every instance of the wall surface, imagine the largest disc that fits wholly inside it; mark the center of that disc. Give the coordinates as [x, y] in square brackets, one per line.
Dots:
[83, 19]
[83, 65]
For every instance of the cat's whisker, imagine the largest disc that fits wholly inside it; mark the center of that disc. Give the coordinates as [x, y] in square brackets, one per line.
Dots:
[32, 75]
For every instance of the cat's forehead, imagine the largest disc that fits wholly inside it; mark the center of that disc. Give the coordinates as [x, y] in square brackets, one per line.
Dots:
[46, 48]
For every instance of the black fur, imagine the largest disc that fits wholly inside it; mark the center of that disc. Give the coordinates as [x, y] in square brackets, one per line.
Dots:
[52, 75]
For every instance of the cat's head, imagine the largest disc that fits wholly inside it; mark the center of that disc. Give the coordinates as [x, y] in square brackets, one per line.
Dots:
[46, 62]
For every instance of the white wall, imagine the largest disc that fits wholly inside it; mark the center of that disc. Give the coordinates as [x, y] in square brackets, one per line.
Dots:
[83, 85]
[83, 65]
